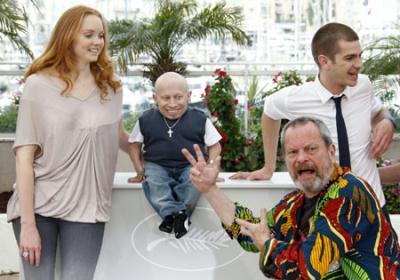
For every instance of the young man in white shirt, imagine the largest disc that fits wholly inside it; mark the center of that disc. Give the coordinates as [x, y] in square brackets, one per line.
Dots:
[336, 50]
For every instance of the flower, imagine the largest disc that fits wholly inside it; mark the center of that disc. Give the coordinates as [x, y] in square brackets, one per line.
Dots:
[275, 79]
[395, 192]
[216, 72]
[249, 142]
[235, 101]
[220, 73]
[225, 138]
[207, 89]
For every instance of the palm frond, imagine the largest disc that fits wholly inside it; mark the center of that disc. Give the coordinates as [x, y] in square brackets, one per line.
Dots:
[13, 21]
[383, 67]
[219, 21]
[383, 57]
[175, 23]
[129, 39]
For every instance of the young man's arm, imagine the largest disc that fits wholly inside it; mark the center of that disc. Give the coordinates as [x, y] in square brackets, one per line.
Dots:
[270, 134]
[390, 174]
[382, 133]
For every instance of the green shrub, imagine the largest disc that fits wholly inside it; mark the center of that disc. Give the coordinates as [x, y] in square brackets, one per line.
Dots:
[239, 151]
[222, 106]
[8, 119]
[130, 121]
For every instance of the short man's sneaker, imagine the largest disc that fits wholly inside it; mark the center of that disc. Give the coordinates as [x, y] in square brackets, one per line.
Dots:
[181, 224]
[167, 224]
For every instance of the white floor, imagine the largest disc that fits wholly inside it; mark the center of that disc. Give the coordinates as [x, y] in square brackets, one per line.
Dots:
[9, 261]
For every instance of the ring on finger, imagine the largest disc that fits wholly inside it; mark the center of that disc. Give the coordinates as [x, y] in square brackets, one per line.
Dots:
[25, 254]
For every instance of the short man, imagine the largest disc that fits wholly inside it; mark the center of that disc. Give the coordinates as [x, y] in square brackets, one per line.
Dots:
[163, 132]
[332, 227]
[337, 52]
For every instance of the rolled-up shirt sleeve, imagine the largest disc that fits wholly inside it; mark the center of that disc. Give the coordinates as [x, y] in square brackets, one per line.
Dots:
[212, 135]
[136, 134]
[376, 105]
[276, 105]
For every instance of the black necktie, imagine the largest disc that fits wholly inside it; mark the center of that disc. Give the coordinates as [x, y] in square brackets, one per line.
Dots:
[344, 153]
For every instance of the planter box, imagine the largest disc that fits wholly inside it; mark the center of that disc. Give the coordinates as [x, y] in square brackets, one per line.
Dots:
[134, 246]
[7, 160]
[395, 219]
[7, 164]
[9, 259]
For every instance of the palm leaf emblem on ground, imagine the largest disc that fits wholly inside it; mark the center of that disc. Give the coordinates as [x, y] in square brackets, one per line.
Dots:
[195, 240]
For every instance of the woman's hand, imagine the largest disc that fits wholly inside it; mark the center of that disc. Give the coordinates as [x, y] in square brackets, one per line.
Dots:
[30, 244]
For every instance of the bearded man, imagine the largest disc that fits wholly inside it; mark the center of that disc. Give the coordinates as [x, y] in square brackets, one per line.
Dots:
[331, 227]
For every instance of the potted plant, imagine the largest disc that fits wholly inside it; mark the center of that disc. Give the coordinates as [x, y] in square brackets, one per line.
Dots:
[383, 68]
[220, 101]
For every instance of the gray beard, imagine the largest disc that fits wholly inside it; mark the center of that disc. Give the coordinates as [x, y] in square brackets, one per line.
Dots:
[318, 184]
[313, 187]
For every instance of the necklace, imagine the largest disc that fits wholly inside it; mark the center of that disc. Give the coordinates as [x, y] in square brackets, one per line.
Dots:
[170, 127]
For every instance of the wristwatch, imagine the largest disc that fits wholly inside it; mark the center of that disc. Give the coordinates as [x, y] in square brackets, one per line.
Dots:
[392, 120]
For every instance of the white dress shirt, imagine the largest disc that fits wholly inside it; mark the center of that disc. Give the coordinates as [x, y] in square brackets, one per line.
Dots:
[359, 106]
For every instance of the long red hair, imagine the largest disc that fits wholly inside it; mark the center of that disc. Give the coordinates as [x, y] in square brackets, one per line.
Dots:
[59, 56]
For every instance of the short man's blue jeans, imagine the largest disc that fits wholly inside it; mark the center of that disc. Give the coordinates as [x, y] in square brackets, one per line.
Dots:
[169, 190]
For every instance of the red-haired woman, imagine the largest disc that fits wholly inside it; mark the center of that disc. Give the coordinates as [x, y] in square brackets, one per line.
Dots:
[66, 147]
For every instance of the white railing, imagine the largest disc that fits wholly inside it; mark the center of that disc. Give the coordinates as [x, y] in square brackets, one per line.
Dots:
[246, 69]
[242, 73]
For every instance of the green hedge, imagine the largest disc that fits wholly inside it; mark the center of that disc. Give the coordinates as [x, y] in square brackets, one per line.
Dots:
[8, 119]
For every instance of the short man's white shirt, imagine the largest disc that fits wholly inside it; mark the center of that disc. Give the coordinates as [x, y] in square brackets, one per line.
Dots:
[359, 106]
[211, 135]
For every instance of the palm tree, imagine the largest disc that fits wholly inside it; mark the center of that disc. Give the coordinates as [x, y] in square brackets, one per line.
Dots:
[174, 25]
[383, 67]
[384, 57]
[13, 21]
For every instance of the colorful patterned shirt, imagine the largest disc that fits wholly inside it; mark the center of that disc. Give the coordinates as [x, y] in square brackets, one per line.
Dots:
[348, 237]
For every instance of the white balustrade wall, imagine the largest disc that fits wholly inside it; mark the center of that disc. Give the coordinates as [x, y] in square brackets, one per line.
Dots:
[133, 246]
